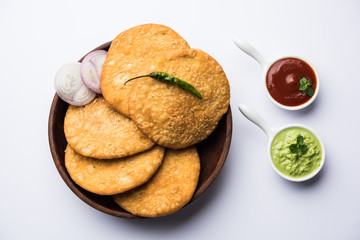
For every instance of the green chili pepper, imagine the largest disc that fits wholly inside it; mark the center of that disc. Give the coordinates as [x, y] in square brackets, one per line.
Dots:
[165, 77]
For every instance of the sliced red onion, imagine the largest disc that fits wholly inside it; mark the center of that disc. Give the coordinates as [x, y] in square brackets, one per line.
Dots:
[91, 68]
[69, 86]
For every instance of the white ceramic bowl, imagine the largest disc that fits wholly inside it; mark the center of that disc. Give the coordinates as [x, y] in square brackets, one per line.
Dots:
[272, 132]
[265, 64]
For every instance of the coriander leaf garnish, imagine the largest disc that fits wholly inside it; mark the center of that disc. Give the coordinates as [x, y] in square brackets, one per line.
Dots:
[303, 148]
[309, 91]
[305, 86]
[299, 147]
[303, 81]
[300, 140]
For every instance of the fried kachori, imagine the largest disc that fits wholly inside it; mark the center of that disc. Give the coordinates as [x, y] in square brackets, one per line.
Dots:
[172, 186]
[131, 53]
[98, 131]
[113, 176]
[171, 116]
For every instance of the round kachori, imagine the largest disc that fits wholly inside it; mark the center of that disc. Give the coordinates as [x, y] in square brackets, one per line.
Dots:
[171, 116]
[171, 187]
[130, 54]
[113, 176]
[98, 131]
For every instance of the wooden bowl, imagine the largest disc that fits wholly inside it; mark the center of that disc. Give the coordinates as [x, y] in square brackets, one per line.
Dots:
[212, 151]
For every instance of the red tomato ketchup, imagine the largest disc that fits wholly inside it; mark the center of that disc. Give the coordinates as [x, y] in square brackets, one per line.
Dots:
[283, 81]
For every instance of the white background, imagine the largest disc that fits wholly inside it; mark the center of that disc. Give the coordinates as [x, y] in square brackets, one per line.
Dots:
[248, 200]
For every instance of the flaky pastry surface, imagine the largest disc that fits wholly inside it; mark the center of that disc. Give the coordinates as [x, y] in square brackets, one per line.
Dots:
[108, 177]
[129, 56]
[170, 189]
[171, 116]
[98, 131]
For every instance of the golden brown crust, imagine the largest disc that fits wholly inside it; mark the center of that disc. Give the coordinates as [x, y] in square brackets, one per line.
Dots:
[108, 177]
[170, 189]
[98, 131]
[171, 116]
[129, 55]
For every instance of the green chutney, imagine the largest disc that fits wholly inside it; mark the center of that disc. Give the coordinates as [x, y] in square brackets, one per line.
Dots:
[292, 164]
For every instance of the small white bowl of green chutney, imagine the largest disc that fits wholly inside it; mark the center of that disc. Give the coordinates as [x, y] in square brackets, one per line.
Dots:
[295, 151]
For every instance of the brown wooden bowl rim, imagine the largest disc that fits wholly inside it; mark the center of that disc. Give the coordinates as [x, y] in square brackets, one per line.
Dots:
[72, 185]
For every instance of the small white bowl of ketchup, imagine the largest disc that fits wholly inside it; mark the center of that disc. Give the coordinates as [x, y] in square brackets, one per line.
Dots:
[282, 78]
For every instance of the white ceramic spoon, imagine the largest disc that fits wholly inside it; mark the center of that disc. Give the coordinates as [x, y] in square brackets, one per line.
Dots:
[265, 64]
[271, 132]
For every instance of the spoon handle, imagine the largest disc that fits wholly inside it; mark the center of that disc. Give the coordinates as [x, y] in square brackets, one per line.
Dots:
[254, 117]
[251, 51]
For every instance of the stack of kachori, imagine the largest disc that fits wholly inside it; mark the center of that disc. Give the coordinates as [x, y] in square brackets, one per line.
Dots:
[137, 142]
